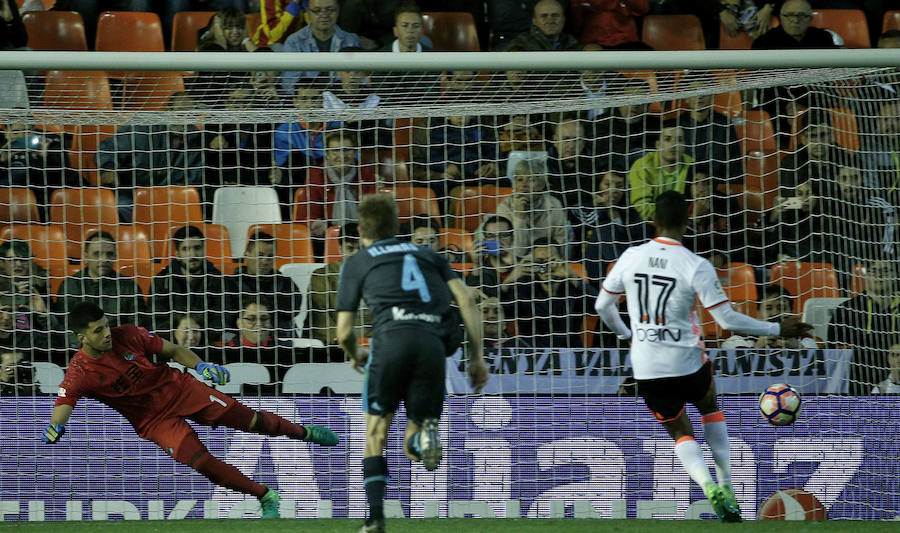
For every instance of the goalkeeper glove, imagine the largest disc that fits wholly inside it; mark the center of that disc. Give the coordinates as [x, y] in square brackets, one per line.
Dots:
[53, 433]
[215, 373]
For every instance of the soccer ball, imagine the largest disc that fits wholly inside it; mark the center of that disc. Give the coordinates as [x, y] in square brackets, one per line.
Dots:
[780, 404]
[792, 504]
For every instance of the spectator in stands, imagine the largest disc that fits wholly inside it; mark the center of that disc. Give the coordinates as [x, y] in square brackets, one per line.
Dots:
[492, 254]
[595, 83]
[461, 153]
[817, 158]
[321, 35]
[867, 323]
[372, 20]
[242, 153]
[546, 32]
[323, 293]
[794, 30]
[776, 303]
[354, 89]
[333, 192]
[794, 229]
[257, 279]
[408, 30]
[534, 212]
[891, 385]
[279, 17]
[572, 167]
[189, 331]
[19, 274]
[508, 18]
[254, 327]
[227, 29]
[497, 343]
[16, 374]
[189, 284]
[716, 230]
[611, 225]
[35, 159]
[628, 131]
[518, 134]
[426, 231]
[751, 16]
[14, 35]
[709, 135]
[100, 284]
[27, 327]
[882, 160]
[162, 154]
[609, 23]
[265, 86]
[660, 171]
[550, 306]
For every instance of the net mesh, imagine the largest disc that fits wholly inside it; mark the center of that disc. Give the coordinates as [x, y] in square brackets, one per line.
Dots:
[117, 184]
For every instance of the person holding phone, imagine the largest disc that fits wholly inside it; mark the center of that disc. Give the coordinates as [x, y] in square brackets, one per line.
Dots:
[492, 255]
[794, 231]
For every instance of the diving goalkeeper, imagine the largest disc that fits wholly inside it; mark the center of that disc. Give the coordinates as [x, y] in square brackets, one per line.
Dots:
[112, 367]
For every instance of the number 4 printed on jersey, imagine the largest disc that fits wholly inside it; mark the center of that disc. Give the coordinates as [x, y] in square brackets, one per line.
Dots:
[412, 278]
[644, 283]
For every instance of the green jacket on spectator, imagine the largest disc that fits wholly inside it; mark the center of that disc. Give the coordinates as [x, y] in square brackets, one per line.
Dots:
[648, 180]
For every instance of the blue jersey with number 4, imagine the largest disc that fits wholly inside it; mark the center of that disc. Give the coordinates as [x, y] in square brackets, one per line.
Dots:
[403, 284]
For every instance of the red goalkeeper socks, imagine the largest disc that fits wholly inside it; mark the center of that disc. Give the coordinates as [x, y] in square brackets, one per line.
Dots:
[273, 425]
[225, 475]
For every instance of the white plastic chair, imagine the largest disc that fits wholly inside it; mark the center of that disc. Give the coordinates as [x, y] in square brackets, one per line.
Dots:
[306, 343]
[238, 208]
[49, 376]
[310, 378]
[245, 374]
[301, 274]
[818, 311]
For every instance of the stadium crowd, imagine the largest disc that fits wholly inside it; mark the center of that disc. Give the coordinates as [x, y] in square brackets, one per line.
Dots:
[568, 192]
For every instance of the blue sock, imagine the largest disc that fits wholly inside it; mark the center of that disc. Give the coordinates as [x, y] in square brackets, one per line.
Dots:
[375, 476]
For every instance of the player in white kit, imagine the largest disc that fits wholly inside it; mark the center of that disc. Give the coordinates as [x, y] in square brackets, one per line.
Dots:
[660, 280]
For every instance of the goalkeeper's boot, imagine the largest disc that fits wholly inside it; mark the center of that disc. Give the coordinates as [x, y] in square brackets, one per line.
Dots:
[430, 444]
[320, 435]
[372, 526]
[269, 503]
[716, 497]
[731, 509]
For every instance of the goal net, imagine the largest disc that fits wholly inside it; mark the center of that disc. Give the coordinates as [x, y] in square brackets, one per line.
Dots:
[214, 208]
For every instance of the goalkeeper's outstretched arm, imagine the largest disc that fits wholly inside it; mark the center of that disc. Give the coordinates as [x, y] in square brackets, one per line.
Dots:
[216, 373]
[57, 426]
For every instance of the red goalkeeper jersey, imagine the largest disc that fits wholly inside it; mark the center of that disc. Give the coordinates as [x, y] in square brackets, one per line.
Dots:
[125, 379]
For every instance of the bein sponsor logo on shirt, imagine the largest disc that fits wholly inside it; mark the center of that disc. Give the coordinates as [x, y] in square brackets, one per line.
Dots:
[657, 334]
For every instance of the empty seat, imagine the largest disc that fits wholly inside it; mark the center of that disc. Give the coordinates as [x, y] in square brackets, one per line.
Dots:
[310, 378]
[47, 243]
[55, 30]
[756, 133]
[76, 208]
[850, 24]
[471, 210]
[891, 21]
[300, 274]
[238, 208]
[451, 32]
[159, 208]
[185, 26]
[805, 281]
[217, 243]
[83, 151]
[673, 32]
[83, 89]
[818, 312]
[48, 376]
[129, 31]
[18, 204]
[245, 374]
[292, 242]
[738, 281]
[413, 201]
[149, 91]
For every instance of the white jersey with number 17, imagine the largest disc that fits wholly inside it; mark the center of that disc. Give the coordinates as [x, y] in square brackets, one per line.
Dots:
[660, 280]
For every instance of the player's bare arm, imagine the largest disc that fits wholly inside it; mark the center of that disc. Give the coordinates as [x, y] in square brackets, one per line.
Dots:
[347, 339]
[478, 372]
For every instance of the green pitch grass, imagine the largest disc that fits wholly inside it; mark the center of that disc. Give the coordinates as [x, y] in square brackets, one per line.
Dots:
[447, 526]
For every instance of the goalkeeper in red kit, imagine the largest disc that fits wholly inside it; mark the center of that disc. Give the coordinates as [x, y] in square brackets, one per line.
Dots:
[113, 368]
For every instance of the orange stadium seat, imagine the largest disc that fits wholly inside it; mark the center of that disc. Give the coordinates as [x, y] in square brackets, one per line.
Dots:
[159, 208]
[738, 281]
[253, 22]
[218, 245]
[412, 201]
[673, 32]
[845, 129]
[891, 21]
[129, 31]
[132, 242]
[471, 209]
[850, 24]
[292, 242]
[185, 26]
[55, 30]
[149, 91]
[47, 243]
[18, 204]
[333, 244]
[712, 332]
[69, 89]
[75, 208]
[756, 133]
[805, 281]
[83, 150]
[761, 176]
[451, 32]
[456, 239]
[142, 274]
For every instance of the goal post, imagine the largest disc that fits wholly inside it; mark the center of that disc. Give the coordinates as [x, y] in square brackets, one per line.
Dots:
[530, 172]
